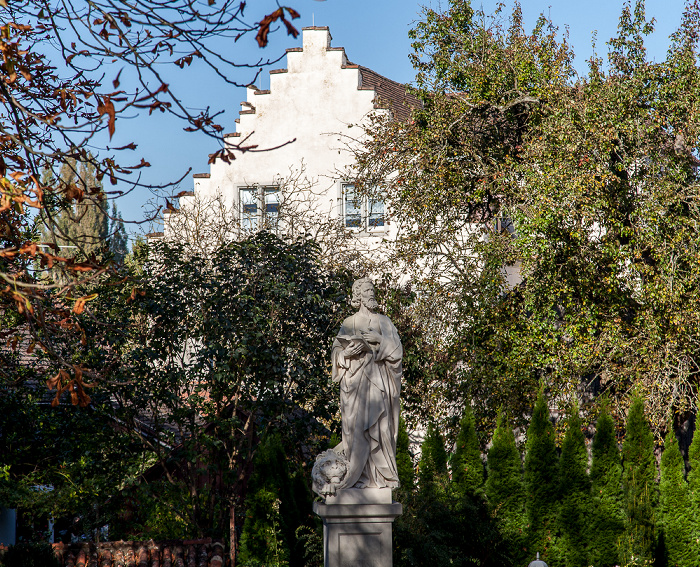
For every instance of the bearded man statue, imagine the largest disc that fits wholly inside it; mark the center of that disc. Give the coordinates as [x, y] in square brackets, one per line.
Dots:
[367, 364]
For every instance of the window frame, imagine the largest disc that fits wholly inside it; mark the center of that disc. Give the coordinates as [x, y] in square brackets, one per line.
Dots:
[260, 219]
[364, 211]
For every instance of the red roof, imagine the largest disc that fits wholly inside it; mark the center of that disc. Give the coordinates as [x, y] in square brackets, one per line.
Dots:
[194, 553]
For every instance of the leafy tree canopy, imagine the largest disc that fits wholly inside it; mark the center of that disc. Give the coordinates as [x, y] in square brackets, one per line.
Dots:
[549, 219]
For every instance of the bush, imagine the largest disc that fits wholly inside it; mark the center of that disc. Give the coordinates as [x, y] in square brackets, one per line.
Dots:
[30, 554]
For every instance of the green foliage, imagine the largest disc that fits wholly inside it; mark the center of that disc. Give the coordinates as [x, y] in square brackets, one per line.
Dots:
[467, 466]
[425, 364]
[118, 239]
[441, 524]
[675, 518]
[541, 483]
[261, 541]
[201, 357]
[404, 463]
[576, 506]
[230, 348]
[694, 491]
[587, 184]
[311, 541]
[29, 554]
[81, 227]
[505, 491]
[607, 520]
[432, 467]
[640, 491]
[79, 452]
[277, 505]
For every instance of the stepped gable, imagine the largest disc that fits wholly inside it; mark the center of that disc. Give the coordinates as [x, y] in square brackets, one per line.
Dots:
[390, 95]
[194, 553]
[332, 92]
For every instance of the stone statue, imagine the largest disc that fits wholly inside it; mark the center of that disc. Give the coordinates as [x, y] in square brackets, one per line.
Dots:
[367, 364]
[328, 473]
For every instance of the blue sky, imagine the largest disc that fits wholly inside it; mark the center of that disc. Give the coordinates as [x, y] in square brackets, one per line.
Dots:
[374, 34]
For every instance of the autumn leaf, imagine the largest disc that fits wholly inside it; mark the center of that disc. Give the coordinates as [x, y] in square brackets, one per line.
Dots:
[115, 82]
[107, 107]
[267, 21]
[79, 306]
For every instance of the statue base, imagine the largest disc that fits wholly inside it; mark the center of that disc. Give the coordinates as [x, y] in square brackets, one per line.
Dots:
[357, 527]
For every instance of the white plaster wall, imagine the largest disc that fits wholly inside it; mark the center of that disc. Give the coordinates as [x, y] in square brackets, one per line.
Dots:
[307, 112]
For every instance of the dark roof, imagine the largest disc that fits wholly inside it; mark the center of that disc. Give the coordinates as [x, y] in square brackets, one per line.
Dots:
[194, 553]
[389, 94]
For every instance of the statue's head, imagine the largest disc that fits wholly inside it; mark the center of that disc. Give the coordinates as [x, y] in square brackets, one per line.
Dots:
[363, 294]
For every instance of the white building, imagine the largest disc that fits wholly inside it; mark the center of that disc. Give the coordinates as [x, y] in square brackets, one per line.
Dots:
[300, 133]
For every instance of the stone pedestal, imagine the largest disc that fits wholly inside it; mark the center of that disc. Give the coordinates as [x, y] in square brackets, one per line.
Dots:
[357, 527]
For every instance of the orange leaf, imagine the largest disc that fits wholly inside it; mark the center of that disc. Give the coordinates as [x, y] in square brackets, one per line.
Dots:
[107, 107]
[79, 307]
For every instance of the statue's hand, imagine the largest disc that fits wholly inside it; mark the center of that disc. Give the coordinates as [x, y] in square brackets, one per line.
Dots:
[352, 349]
[372, 337]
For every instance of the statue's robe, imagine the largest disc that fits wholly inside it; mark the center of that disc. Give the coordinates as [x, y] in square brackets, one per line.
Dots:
[370, 384]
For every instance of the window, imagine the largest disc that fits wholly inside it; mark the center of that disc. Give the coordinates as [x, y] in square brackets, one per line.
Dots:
[361, 212]
[259, 207]
[504, 224]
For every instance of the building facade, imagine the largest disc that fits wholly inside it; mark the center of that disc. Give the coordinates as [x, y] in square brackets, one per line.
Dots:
[292, 153]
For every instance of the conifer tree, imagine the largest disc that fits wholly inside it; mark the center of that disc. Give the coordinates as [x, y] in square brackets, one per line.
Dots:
[91, 231]
[82, 229]
[421, 532]
[575, 491]
[541, 480]
[505, 490]
[694, 494]
[467, 465]
[607, 519]
[118, 240]
[273, 513]
[432, 467]
[639, 488]
[676, 514]
[404, 462]
[441, 526]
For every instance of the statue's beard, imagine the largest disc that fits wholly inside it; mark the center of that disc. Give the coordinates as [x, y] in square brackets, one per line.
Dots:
[370, 303]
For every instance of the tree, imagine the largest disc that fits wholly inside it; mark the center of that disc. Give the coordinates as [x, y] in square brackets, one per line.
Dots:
[118, 239]
[576, 507]
[69, 72]
[543, 491]
[607, 522]
[404, 463]
[78, 455]
[505, 491]
[466, 464]
[273, 514]
[425, 362]
[85, 229]
[694, 491]
[579, 189]
[640, 491]
[206, 221]
[676, 516]
[440, 523]
[229, 349]
[432, 467]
